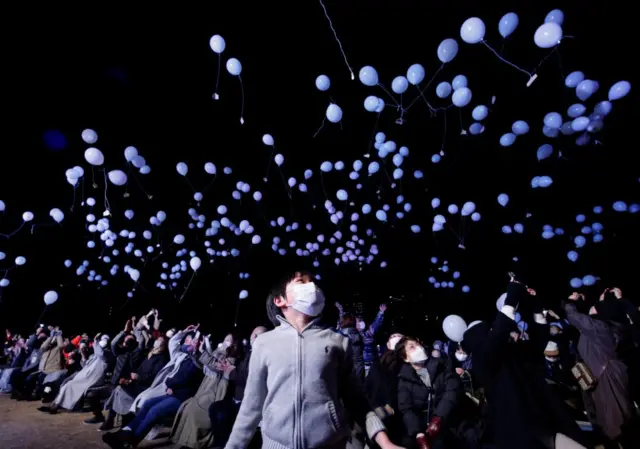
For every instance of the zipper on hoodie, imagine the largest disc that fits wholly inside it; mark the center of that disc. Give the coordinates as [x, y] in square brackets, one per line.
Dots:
[297, 441]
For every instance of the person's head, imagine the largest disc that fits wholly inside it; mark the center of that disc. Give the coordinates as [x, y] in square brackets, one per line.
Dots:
[555, 328]
[160, 344]
[608, 310]
[347, 320]
[461, 355]
[233, 346]
[436, 349]
[256, 333]
[393, 341]
[360, 324]
[229, 340]
[103, 343]
[552, 351]
[411, 351]
[69, 348]
[189, 344]
[294, 296]
[130, 343]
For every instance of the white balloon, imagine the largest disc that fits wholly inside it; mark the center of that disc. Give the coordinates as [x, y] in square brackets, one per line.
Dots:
[50, 297]
[267, 139]
[217, 43]
[56, 214]
[182, 168]
[548, 35]
[94, 156]
[243, 294]
[234, 67]
[89, 136]
[334, 113]
[472, 30]
[210, 168]
[195, 263]
[27, 216]
[118, 177]
[130, 153]
[454, 328]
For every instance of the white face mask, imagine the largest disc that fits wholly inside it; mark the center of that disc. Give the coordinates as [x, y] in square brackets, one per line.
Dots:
[461, 356]
[418, 355]
[103, 343]
[361, 325]
[307, 299]
[551, 359]
[157, 344]
[169, 334]
[393, 342]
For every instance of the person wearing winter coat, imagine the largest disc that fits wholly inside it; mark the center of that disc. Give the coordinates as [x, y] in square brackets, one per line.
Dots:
[347, 328]
[428, 397]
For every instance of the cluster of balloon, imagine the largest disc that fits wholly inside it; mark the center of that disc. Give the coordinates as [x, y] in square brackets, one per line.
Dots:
[443, 279]
[233, 65]
[349, 236]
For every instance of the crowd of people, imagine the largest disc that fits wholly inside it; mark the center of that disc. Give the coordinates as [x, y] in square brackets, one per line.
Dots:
[567, 379]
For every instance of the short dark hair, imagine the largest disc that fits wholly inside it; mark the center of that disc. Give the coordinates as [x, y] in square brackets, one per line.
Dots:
[401, 351]
[279, 289]
[347, 320]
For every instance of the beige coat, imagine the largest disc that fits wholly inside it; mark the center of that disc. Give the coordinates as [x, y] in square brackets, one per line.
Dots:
[52, 359]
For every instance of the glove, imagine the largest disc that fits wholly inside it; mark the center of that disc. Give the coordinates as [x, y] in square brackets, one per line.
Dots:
[434, 427]
[421, 441]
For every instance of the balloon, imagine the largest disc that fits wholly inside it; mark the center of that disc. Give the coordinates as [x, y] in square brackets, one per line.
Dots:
[415, 74]
[323, 83]
[553, 120]
[480, 112]
[50, 297]
[182, 168]
[217, 43]
[520, 127]
[195, 263]
[399, 84]
[573, 79]
[556, 16]
[371, 103]
[334, 113]
[454, 327]
[368, 76]
[548, 35]
[472, 30]
[27, 216]
[342, 195]
[56, 214]
[447, 50]
[544, 151]
[326, 167]
[94, 156]
[580, 124]
[20, 260]
[507, 139]
[234, 67]
[279, 159]
[503, 199]
[619, 90]
[89, 136]
[243, 294]
[443, 89]
[586, 88]
[500, 301]
[468, 208]
[461, 97]
[459, 81]
[508, 24]
[130, 153]
[117, 177]
[381, 215]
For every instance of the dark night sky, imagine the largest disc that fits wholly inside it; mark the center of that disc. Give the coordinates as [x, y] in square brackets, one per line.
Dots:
[145, 78]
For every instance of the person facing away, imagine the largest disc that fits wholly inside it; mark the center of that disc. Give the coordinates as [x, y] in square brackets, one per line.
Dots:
[300, 375]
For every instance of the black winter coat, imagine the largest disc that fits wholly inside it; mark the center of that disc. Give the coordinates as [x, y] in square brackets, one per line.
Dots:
[413, 396]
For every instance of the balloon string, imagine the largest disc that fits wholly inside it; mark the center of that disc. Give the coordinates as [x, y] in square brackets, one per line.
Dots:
[321, 126]
[106, 200]
[444, 134]
[335, 35]
[286, 186]
[187, 288]
[73, 202]
[373, 134]
[8, 236]
[506, 61]
[548, 55]
[242, 105]
[215, 94]
[425, 87]
[266, 175]
[389, 94]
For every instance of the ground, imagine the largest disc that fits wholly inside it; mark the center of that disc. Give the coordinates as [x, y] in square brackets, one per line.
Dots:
[22, 426]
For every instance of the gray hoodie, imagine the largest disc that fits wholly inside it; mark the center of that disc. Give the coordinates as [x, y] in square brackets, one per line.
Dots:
[296, 385]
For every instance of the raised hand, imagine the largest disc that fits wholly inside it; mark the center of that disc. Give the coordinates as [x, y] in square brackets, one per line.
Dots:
[383, 308]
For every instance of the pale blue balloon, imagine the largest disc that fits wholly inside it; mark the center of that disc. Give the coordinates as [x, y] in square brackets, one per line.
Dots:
[373, 167]
[586, 230]
[461, 97]
[342, 195]
[555, 16]
[398, 173]
[476, 128]
[619, 90]
[435, 203]
[506, 229]
[519, 228]
[452, 209]
[520, 127]
[580, 218]
[326, 166]
[368, 76]
[418, 174]
[397, 160]
[508, 24]
[507, 139]
[544, 151]
[475, 216]
[620, 206]
[634, 208]
[399, 84]
[366, 209]
[466, 289]
[415, 229]
[415, 74]
[579, 241]
[597, 227]
[480, 112]
[583, 139]
[586, 88]
[334, 113]
[575, 283]
[576, 110]
[588, 280]
[603, 108]
[503, 199]
[597, 210]
[550, 132]
[580, 124]
[435, 158]
[323, 83]
[371, 103]
[566, 128]
[572, 256]
[447, 50]
[597, 238]
[545, 181]
[573, 79]
[547, 235]
[381, 215]
[459, 81]
[443, 89]
[380, 137]
[553, 120]
[434, 260]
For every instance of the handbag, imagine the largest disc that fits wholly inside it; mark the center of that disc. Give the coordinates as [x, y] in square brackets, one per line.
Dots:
[584, 376]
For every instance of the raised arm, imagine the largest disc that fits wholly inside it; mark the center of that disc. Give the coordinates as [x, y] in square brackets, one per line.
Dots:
[340, 313]
[377, 322]
[97, 349]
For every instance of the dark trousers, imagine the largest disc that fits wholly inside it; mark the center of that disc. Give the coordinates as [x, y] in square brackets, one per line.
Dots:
[153, 412]
[19, 379]
[96, 395]
[222, 415]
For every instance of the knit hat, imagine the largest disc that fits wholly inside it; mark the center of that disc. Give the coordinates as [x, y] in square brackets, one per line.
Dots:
[552, 349]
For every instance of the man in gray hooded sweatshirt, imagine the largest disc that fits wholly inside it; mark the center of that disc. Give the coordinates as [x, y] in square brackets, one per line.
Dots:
[300, 374]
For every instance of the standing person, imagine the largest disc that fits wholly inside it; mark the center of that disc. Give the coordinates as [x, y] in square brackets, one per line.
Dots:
[300, 375]
[348, 329]
[368, 336]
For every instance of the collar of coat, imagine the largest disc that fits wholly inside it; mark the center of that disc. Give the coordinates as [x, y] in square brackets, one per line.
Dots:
[434, 367]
